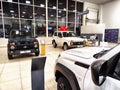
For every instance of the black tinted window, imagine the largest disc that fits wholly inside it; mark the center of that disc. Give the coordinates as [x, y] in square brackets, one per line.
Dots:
[55, 34]
[116, 73]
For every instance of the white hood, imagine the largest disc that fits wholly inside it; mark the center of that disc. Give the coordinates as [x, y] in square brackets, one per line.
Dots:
[83, 55]
[76, 39]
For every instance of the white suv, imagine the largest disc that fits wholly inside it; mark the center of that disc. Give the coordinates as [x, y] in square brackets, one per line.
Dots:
[89, 68]
[67, 39]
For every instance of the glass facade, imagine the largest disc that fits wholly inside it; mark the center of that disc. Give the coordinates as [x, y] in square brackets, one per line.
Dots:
[42, 17]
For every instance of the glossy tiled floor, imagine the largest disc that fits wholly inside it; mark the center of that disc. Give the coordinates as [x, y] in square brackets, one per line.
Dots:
[15, 74]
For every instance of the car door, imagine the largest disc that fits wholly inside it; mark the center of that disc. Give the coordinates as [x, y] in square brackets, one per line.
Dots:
[112, 78]
[59, 40]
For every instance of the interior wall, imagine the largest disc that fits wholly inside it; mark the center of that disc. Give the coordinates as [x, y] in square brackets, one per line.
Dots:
[111, 15]
[92, 12]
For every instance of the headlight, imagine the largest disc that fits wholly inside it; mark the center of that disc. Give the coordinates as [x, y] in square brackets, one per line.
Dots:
[71, 43]
[35, 45]
[12, 47]
[11, 44]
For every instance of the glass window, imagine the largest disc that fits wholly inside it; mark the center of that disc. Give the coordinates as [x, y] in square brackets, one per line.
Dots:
[40, 3]
[52, 4]
[26, 11]
[71, 26]
[27, 25]
[1, 30]
[71, 17]
[40, 13]
[61, 18]
[71, 5]
[62, 4]
[40, 28]
[52, 14]
[79, 6]
[28, 2]
[10, 10]
[10, 24]
[0, 10]
[11, 0]
[52, 26]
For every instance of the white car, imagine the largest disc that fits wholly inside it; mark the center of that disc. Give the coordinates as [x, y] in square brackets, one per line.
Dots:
[67, 39]
[88, 68]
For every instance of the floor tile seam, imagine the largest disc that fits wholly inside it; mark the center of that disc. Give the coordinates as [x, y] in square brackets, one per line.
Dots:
[20, 77]
[2, 69]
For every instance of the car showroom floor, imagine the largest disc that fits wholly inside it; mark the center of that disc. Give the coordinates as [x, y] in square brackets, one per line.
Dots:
[15, 74]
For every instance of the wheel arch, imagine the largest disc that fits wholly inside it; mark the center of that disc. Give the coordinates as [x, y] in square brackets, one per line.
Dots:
[62, 70]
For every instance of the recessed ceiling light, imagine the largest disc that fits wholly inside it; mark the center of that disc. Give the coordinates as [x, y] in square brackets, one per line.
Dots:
[22, 16]
[24, 12]
[51, 15]
[10, 1]
[30, 16]
[43, 14]
[28, 2]
[60, 11]
[42, 5]
[11, 11]
[64, 9]
[54, 7]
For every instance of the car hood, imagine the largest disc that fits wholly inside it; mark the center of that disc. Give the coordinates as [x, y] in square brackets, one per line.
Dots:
[83, 55]
[73, 39]
[22, 40]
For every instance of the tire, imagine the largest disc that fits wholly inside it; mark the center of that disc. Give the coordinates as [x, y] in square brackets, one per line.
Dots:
[10, 56]
[36, 53]
[63, 84]
[54, 44]
[65, 47]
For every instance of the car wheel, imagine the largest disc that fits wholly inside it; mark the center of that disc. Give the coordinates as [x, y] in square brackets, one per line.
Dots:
[65, 47]
[63, 84]
[10, 56]
[54, 44]
[36, 53]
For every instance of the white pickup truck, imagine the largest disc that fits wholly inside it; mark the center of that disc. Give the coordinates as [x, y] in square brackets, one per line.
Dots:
[67, 39]
[88, 68]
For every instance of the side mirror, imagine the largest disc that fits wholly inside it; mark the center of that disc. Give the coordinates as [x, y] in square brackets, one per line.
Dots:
[98, 71]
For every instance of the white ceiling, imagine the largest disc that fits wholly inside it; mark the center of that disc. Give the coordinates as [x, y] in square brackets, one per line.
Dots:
[96, 1]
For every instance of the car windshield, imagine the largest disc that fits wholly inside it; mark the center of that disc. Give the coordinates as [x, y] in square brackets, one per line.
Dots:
[20, 34]
[69, 34]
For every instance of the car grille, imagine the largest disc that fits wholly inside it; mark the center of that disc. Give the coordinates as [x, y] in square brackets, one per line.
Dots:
[24, 47]
[78, 43]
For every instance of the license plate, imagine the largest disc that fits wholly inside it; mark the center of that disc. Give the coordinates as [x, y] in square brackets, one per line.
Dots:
[28, 51]
[80, 46]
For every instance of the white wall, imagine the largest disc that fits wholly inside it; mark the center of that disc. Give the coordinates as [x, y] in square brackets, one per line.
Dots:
[92, 13]
[111, 14]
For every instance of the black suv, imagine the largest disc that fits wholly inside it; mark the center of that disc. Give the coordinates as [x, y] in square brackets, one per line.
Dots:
[20, 42]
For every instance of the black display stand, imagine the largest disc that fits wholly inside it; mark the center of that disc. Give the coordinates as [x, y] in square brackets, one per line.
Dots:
[37, 73]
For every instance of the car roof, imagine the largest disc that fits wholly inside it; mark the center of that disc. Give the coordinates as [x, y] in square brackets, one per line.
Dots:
[63, 31]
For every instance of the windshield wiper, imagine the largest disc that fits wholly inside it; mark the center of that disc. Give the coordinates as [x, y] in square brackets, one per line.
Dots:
[98, 55]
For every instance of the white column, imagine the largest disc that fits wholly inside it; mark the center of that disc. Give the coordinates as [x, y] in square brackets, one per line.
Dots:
[46, 18]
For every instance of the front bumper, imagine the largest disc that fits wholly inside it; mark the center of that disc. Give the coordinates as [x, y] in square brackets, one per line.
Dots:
[77, 44]
[18, 52]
